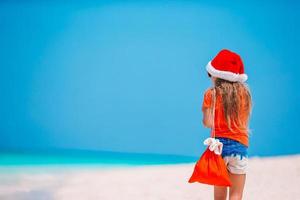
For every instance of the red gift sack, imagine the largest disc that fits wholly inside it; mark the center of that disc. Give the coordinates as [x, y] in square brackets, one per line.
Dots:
[210, 169]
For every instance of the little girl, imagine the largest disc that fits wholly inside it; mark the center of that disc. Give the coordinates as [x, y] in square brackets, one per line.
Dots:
[232, 111]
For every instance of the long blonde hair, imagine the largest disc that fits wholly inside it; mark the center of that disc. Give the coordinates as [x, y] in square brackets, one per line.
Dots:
[233, 95]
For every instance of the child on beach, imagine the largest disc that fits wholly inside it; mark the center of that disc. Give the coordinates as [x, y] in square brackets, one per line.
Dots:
[232, 111]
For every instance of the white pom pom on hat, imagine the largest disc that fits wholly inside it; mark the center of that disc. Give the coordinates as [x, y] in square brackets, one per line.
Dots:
[227, 65]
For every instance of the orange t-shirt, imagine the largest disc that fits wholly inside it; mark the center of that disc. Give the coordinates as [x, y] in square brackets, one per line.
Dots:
[239, 134]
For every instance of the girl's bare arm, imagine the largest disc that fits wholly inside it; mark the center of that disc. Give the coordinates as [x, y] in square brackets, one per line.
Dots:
[207, 117]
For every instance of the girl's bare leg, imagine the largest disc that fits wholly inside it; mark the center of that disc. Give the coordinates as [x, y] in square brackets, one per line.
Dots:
[237, 187]
[220, 193]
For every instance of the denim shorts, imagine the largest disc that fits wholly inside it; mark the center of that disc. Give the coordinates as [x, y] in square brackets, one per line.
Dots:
[235, 155]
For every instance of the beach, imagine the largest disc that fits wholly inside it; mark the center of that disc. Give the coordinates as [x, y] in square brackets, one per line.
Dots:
[268, 178]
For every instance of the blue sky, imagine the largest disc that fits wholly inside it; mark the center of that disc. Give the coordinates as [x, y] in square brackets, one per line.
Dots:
[131, 76]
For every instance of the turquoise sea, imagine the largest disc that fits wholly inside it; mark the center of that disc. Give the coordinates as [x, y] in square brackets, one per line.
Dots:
[12, 161]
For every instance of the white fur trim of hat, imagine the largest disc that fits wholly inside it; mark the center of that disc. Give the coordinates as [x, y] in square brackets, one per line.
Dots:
[226, 75]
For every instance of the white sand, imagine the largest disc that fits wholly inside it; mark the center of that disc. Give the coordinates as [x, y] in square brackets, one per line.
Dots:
[273, 178]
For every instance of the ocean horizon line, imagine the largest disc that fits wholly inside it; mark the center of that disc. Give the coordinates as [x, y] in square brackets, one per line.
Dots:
[70, 156]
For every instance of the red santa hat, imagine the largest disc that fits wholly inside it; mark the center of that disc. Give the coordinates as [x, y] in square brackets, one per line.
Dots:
[227, 65]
